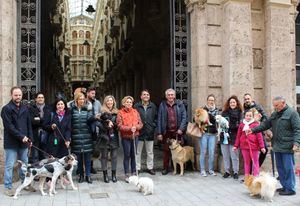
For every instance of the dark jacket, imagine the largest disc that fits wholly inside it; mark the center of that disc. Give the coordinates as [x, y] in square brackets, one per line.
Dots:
[37, 125]
[149, 119]
[162, 117]
[285, 127]
[59, 150]
[212, 129]
[259, 108]
[81, 133]
[16, 124]
[234, 117]
[108, 137]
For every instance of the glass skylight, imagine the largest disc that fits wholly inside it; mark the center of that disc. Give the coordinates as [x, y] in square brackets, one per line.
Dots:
[78, 7]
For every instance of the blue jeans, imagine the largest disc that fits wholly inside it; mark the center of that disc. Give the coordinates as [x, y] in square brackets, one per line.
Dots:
[128, 148]
[84, 158]
[10, 159]
[285, 164]
[207, 141]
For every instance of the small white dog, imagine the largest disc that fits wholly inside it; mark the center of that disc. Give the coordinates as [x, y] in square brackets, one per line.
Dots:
[223, 126]
[144, 184]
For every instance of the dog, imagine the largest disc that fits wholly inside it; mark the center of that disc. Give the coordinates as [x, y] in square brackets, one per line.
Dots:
[223, 126]
[263, 185]
[144, 184]
[181, 155]
[52, 168]
[201, 118]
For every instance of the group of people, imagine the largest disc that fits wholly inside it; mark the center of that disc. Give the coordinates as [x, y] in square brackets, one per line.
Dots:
[85, 127]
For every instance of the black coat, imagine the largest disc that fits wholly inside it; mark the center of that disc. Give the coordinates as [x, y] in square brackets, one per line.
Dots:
[212, 129]
[81, 132]
[58, 150]
[38, 124]
[234, 117]
[149, 119]
[16, 124]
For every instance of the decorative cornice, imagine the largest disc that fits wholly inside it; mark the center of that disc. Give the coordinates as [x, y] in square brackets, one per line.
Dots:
[191, 3]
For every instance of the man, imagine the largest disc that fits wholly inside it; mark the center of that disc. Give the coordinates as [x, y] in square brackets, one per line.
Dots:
[17, 135]
[96, 107]
[171, 124]
[249, 103]
[39, 113]
[285, 124]
[148, 113]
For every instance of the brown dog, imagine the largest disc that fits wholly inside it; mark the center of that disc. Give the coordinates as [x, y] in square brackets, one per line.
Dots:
[181, 155]
[201, 118]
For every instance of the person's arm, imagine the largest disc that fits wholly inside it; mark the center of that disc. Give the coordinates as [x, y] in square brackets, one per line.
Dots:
[29, 126]
[159, 120]
[260, 140]
[68, 131]
[140, 125]
[183, 123]
[295, 121]
[267, 124]
[122, 127]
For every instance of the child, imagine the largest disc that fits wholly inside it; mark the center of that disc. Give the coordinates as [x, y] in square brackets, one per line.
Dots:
[250, 144]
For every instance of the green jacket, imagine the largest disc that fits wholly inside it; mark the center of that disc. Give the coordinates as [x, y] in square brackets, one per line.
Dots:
[285, 127]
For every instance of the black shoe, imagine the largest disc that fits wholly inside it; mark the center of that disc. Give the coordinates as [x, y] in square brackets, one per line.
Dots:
[226, 175]
[287, 193]
[165, 172]
[93, 171]
[105, 177]
[113, 176]
[151, 172]
[80, 180]
[280, 189]
[235, 176]
[88, 179]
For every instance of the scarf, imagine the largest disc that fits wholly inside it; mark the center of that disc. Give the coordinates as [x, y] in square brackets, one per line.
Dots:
[60, 114]
[246, 126]
[41, 109]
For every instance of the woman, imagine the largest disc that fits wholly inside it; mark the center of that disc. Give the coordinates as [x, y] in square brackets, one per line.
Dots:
[82, 143]
[129, 123]
[233, 113]
[109, 137]
[208, 139]
[59, 130]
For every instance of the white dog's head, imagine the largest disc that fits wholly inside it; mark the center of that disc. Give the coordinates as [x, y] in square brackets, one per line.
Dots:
[134, 180]
[222, 122]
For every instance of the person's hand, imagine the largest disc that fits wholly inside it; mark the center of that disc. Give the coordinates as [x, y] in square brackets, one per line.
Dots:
[295, 148]
[133, 129]
[67, 143]
[53, 126]
[234, 149]
[97, 116]
[110, 124]
[263, 150]
[248, 131]
[159, 137]
[179, 132]
[25, 139]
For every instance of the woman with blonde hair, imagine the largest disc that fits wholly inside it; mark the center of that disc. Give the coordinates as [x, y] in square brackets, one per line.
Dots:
[129, 123]
[108, 136]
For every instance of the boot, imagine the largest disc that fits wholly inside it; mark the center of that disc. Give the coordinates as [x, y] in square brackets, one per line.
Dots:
[113, 176]
[88, 179]
[80, 180]
[105, 177]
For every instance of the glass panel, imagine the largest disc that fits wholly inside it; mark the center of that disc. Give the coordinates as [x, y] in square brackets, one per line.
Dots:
[78, 7]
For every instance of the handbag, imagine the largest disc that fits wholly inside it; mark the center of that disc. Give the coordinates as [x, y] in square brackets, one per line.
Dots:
[193, 130]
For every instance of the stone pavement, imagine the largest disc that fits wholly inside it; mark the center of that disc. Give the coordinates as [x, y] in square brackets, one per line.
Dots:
[191, 189]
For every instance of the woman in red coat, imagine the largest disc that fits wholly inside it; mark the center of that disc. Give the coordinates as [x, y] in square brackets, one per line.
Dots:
[250, 144]
[129, 124]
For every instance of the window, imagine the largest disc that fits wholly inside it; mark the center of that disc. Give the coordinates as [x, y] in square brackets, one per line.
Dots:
[81, 50]
[74, 49]
[74, 34]
[75, 70]
[88, 50]
[88, 70]
[87, 34]
[81, 34]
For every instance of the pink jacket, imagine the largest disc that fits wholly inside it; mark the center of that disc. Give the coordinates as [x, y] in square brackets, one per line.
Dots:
[255, 139]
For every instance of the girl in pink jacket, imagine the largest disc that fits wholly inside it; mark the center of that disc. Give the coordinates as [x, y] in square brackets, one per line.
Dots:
[250, 144]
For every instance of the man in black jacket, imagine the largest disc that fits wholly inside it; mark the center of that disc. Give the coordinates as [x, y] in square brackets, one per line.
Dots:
[17, 134]
[148, 113]
[39, 114]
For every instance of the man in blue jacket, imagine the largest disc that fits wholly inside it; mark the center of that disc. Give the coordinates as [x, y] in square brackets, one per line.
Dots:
[17, 134]
[171, 124]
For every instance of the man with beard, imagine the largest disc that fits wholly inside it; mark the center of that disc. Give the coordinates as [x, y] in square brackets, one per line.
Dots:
[17, 135]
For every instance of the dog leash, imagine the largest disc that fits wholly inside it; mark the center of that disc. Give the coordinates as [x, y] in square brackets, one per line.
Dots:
[134, 148]
[30, 144]
[65, 140]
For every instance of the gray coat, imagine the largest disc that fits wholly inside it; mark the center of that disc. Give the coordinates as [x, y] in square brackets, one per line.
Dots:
[285, 127]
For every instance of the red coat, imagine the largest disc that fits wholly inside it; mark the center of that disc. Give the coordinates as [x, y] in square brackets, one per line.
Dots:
[126, 119]
[255, 139]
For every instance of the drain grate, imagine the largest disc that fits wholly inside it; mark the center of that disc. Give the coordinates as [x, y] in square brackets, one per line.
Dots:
[99, 195]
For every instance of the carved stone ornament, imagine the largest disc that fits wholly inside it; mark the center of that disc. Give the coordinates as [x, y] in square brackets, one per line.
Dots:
[190, 4]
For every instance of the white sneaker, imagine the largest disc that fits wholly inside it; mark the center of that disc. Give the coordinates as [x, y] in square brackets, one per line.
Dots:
[212, 173]
[203, 174]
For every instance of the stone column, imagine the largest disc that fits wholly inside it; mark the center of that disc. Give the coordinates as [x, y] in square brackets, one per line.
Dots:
[237, 48]
[199, 51]
[278, 59]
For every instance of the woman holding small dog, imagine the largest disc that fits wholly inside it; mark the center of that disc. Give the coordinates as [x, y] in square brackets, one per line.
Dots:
[233, 113]
[250, 144]
[109, 137]
[129, 123]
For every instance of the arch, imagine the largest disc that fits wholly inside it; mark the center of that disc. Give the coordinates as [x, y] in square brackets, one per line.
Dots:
[74, 34]
[88, 34]
[81, 34]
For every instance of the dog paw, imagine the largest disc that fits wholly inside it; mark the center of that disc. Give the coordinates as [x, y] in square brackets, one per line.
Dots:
[174, 173]
[75, 188]
[54, 192]
[181, 175]
[15, 197]
[51, 195]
